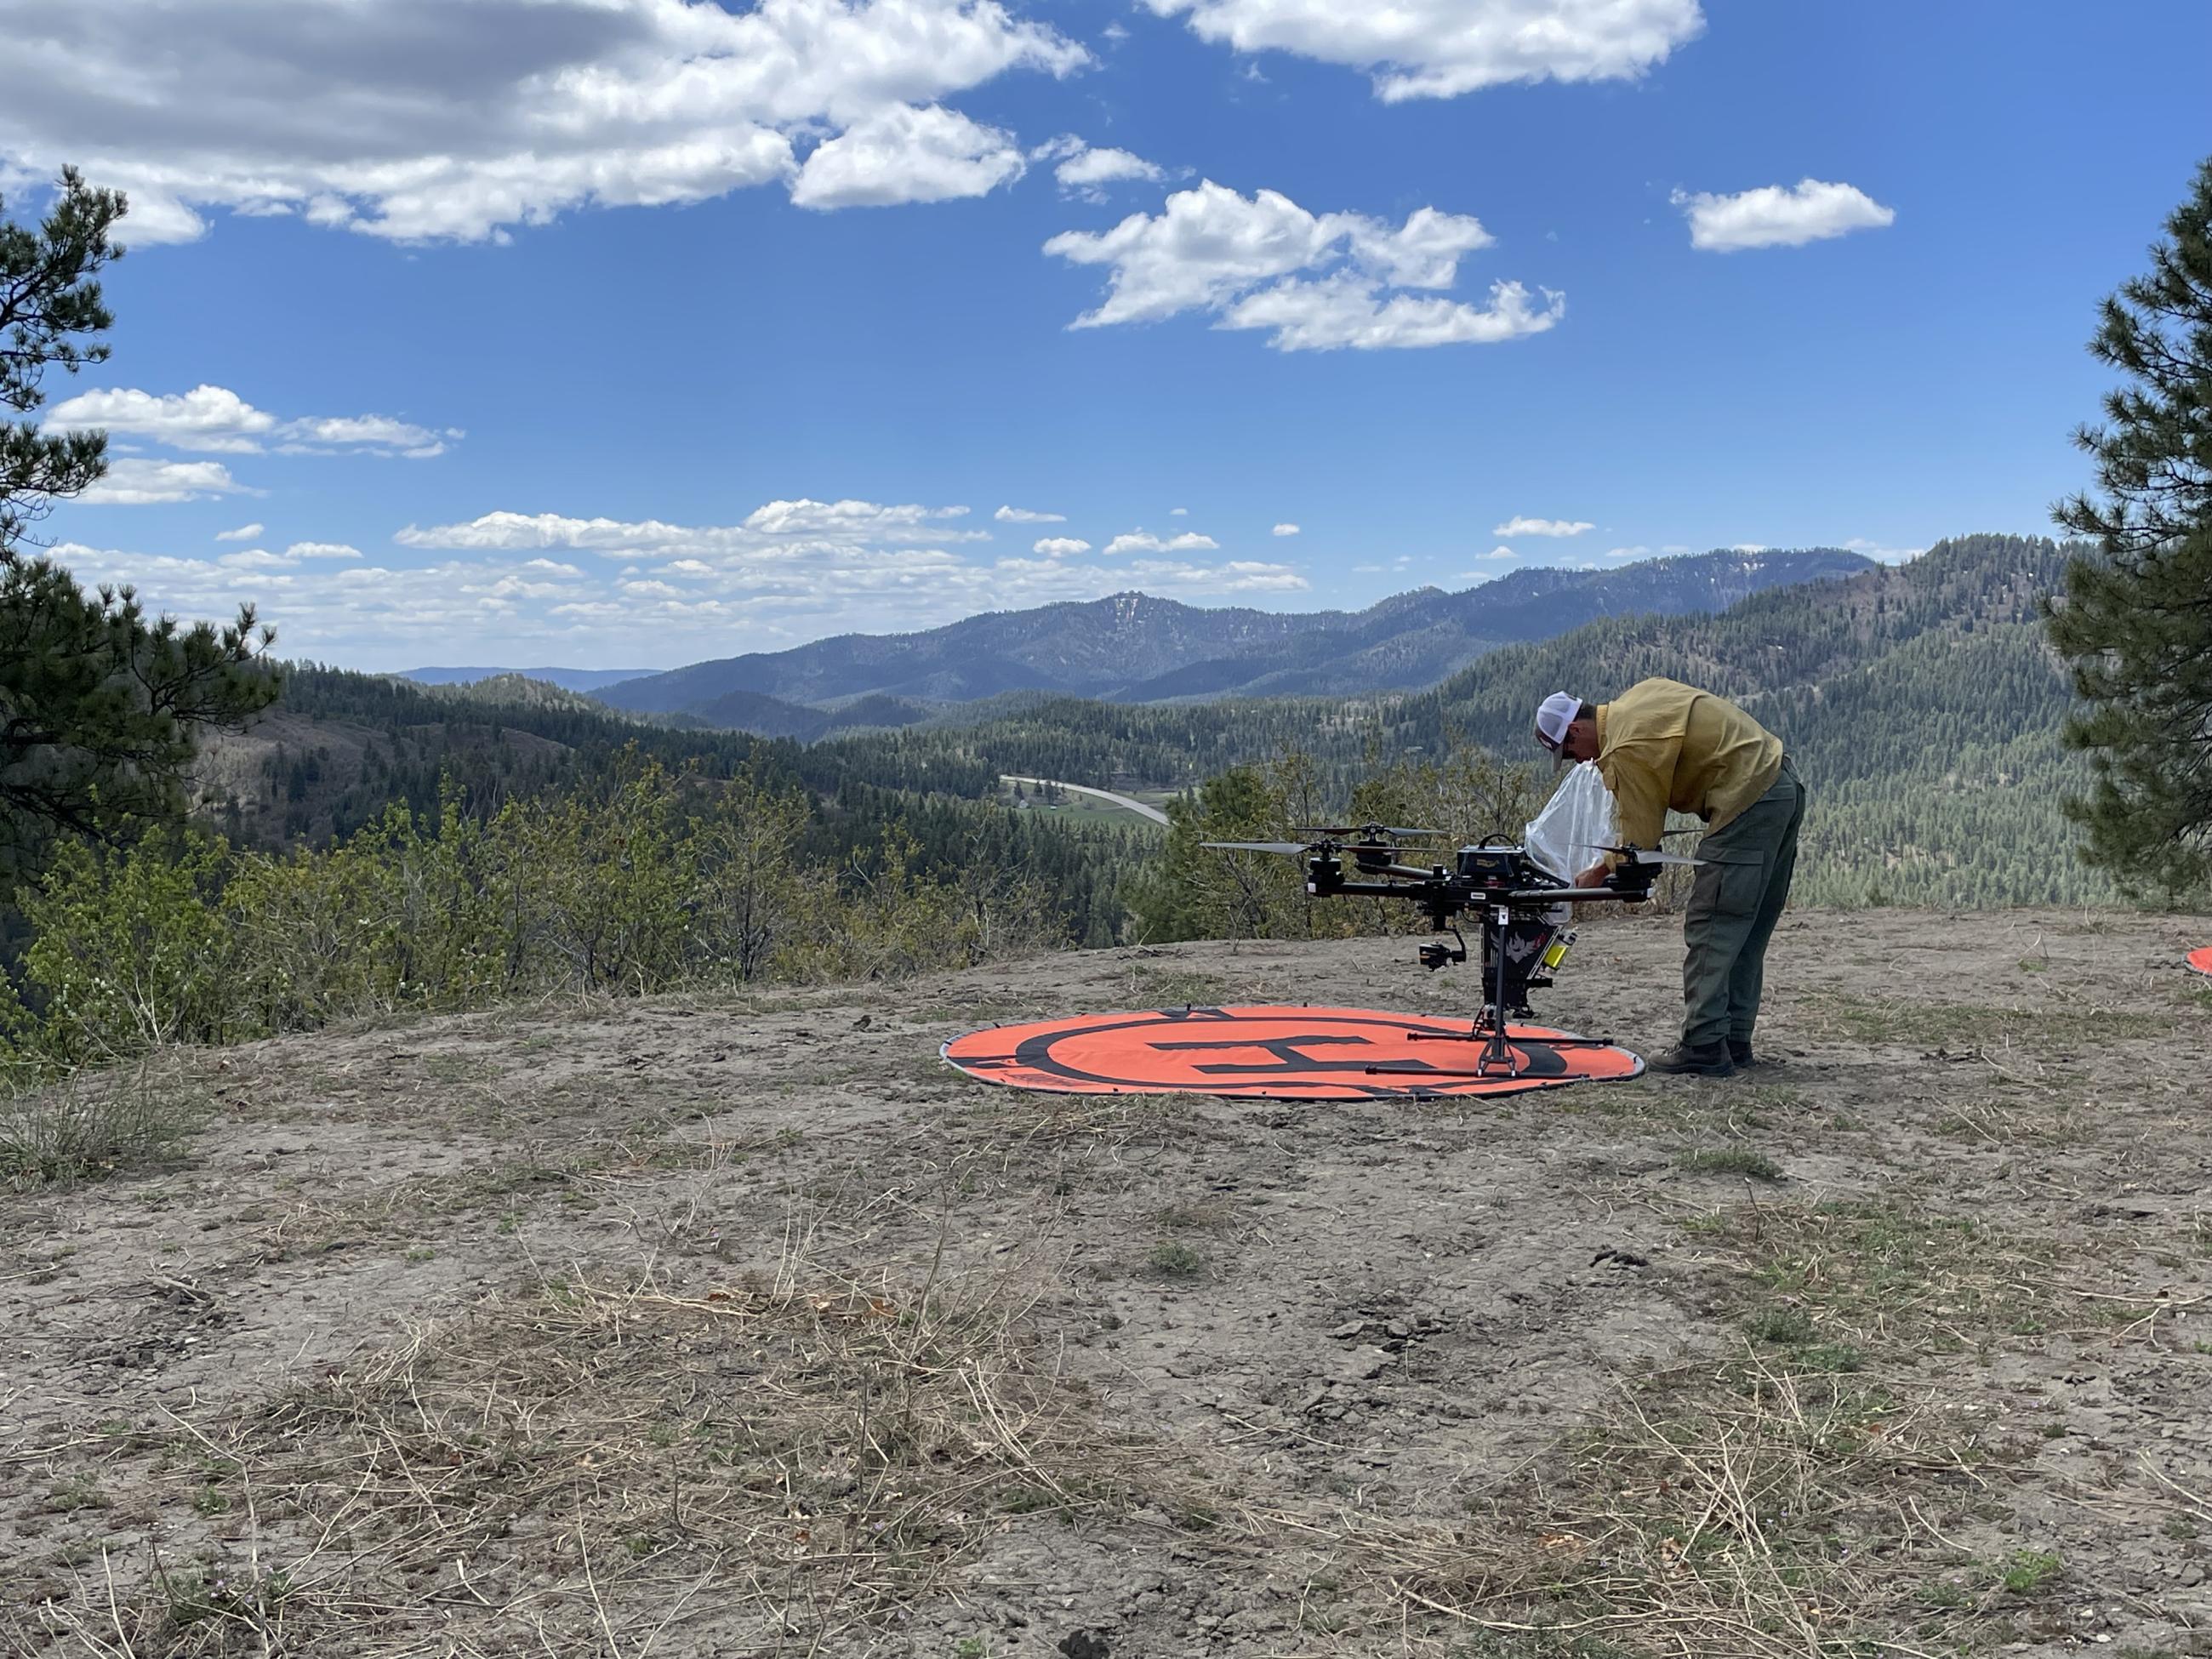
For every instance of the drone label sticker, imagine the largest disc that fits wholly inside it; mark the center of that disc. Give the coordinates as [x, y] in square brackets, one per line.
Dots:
[1278, 1054]
[2201, 960]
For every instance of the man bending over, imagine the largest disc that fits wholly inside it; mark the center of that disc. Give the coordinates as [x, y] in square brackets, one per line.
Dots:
[1662, 744]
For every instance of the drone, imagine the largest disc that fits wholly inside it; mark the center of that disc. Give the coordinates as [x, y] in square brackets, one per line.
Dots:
[1523, 908]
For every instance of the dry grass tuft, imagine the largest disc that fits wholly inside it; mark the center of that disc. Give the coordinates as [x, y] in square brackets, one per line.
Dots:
[1738, 1506]
[593, 1466]
[92, 1123]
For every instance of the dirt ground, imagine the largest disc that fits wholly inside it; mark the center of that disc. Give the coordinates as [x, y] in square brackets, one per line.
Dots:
[694, 1327]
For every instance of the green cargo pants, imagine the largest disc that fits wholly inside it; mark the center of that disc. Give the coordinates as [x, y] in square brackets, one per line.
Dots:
[1743, 881]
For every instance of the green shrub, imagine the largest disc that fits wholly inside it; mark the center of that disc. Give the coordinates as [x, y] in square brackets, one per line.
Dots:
[91, 1124]
[646, 883]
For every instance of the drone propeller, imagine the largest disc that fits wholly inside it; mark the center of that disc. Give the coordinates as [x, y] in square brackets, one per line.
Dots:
[1259, 845]
[1372, 831]
[1640, 854]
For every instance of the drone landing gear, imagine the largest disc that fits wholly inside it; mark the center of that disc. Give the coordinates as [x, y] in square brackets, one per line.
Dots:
[1491, 1028]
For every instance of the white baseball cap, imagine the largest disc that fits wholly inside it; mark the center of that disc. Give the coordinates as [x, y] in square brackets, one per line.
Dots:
[1557, 715]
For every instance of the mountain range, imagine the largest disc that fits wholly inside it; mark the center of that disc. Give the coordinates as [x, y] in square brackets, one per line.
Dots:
[568, 680]
[1137, 648]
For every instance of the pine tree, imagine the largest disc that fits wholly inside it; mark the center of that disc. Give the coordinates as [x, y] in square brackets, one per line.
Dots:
[2135, 620]
[98, 704]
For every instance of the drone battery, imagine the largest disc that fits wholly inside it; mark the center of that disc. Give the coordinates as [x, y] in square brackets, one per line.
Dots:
[1556, 952]
[1492, 867]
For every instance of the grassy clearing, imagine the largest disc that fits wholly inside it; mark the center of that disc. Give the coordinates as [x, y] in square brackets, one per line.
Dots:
[1747, 1161]
[1887, 1276]
[1791, 1496]
[1178, 987]
[805, 1451]
[92, 1124]
[1968, 1027]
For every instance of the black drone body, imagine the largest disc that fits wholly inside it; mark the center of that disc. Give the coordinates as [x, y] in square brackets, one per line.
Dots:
[1521, 905]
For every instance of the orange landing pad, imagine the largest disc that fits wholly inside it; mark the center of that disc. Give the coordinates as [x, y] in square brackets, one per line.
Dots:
[1277, 1053]
[2201, 960]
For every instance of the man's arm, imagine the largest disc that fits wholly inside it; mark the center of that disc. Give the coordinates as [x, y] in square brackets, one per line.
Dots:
[1639, 794]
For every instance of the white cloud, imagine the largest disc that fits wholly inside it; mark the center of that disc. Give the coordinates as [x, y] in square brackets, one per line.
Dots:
[905, 155]
[426, 119]
[1521, 526]
[1247, 260]
[1085, 173]
[1777, 216]
[244, 532]
[726, 588]
[1500, 554]
[214, 420]
[321, 551]
[1178, 513]
[1344, 311]
[852, 517]
[1060, 547]
[1880, 554]
[1023, 515]
[1441, 48]
[1626, 552]
[209, 418]
[1142, 541]
[1284, 530]
[776, 529]
[143, 483]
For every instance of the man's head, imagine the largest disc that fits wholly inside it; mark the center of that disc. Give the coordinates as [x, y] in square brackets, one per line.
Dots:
[1567, 726]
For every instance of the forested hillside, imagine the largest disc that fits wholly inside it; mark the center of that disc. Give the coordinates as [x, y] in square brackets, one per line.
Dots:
[340, 749]
[1921, 700]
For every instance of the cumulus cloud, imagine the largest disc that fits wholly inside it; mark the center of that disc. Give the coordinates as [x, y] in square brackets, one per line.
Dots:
[1881, 553]
[903, 155]
[1023, 515]
[1060, 547]
[244, 532]
[417, 119]
[779, 525]
[1501, 554]
[147, 483]
[1085, 172]
[1778, 216]
[1521, 526]
[1318, 281]
[1626, 552]
[1284, 530]
[322, 550]
[1142, 541]
[728, 587]
[1442, 48]
[1178, 513]
[208, 418]
[214, 420]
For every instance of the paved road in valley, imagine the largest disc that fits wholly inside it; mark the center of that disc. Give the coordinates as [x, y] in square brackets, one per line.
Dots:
[1136, 806]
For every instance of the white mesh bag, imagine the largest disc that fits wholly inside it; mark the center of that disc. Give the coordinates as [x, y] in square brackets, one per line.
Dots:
[1579, 817]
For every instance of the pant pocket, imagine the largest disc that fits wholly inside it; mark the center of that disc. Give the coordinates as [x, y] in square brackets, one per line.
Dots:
[1730, 881]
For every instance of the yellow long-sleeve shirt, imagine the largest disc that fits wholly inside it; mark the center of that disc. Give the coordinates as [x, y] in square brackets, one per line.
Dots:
[1661, 744]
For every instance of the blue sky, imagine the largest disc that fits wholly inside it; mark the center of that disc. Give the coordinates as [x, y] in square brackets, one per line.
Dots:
[569, 331]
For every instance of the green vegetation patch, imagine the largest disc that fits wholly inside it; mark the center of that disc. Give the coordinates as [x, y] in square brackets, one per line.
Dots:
[91, 1124]
[1744, 1161]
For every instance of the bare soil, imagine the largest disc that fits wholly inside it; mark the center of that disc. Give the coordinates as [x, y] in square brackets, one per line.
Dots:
[742, 1326]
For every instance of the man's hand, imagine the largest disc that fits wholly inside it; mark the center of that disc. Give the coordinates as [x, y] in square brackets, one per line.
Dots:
[1595, 876]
